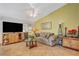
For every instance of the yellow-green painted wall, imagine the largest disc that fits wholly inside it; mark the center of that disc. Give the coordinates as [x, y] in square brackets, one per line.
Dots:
[68, 15]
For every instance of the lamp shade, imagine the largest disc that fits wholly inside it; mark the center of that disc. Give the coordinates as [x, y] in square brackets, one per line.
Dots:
[34, 29]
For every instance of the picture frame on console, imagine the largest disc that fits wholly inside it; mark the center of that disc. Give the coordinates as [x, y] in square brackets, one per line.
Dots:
[72, 32]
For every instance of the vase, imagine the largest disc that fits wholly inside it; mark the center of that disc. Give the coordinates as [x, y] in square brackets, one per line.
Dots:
[78, 31]
[65, 31]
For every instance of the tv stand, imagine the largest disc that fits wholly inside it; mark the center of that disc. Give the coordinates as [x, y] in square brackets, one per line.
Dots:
[12, 37]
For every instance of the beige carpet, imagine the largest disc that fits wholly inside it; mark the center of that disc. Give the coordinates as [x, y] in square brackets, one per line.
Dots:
[19, 49]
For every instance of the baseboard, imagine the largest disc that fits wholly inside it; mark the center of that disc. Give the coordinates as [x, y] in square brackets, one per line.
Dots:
[13, 43]
[70, 48]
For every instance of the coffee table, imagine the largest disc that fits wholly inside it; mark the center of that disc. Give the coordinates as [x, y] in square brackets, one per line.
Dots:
[31, 44]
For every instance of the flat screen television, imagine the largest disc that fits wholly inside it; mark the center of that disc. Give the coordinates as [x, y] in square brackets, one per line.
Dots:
[12, 27]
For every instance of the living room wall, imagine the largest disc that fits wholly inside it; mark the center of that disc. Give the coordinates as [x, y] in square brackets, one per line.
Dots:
[68, 15]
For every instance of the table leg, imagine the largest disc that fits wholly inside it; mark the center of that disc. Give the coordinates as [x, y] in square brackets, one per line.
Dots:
[26, 43]
[35, 43]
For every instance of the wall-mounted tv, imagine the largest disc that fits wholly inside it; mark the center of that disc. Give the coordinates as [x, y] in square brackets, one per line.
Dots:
[12, 27]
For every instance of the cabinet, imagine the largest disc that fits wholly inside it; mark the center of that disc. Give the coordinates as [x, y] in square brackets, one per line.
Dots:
[75, 44]
[11, 37]
[71, 43]
[66, 42]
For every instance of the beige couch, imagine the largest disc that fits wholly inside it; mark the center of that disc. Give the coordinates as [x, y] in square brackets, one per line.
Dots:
[43, 37]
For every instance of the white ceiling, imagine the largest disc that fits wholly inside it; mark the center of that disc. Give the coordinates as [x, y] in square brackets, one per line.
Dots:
[20, 10]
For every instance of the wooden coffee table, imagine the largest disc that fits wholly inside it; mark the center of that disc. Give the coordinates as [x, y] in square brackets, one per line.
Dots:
[31, 44]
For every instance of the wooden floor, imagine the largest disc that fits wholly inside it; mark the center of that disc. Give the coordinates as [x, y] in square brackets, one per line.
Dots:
[19, 49]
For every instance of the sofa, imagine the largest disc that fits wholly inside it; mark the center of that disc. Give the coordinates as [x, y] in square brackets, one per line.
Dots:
[43, 37]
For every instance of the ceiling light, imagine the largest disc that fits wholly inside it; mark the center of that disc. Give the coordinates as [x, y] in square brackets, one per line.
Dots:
[32, 11]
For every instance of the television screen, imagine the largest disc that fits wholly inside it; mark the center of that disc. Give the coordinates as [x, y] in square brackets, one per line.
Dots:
[12, 27]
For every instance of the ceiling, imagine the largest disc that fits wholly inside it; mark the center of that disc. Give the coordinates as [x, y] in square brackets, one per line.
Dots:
[23, 11]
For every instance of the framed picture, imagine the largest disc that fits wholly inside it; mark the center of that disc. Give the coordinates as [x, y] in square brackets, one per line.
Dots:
[46, 25]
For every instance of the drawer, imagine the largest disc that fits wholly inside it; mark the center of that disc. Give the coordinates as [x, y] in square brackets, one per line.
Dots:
[75, 44]
[67, 43]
